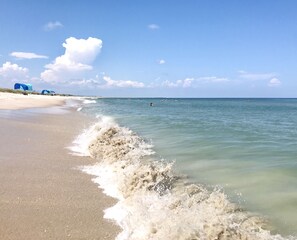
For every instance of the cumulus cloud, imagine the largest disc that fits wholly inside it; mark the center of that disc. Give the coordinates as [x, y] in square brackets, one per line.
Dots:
[193, 82]
[109, 83]
[13, 72]
[153, 26]
[79, 54]
[274, 82]
[52, 25]
[26, 55]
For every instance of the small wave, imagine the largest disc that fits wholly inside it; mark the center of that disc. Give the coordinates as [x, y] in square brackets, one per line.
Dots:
[87, 101]
[153, 201]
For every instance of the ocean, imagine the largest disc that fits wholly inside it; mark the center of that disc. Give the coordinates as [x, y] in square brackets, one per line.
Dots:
[195, 168]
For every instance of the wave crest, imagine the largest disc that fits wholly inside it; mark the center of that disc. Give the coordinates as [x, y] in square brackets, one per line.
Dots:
[153, 201]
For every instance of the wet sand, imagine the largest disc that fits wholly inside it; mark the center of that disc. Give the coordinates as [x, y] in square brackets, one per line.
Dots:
[42, 194]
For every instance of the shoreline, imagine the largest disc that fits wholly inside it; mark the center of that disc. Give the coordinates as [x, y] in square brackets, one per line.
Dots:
[43, 194]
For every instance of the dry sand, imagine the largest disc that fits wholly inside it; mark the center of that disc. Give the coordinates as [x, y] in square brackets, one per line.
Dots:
[42, 194]
[19, 101]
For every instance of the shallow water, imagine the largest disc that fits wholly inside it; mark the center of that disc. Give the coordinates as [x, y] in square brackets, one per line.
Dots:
[247, 147]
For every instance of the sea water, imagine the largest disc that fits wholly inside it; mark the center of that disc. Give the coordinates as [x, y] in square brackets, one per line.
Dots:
[196, 168]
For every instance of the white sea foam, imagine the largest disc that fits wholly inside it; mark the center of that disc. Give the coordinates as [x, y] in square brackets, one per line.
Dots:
[153, 202]
[87, 101]
[83, 101]
[80, 146]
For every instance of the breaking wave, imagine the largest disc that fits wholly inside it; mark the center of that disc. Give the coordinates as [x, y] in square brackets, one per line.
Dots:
[153, 201]
[87, 101]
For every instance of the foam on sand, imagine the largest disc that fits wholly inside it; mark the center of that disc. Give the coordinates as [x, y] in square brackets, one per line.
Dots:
[153, 201]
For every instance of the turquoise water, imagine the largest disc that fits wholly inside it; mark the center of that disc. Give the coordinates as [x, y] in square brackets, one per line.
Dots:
[248, 147]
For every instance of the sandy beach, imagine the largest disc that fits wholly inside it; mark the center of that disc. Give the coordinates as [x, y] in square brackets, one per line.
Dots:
[43, 195]
[18, 101]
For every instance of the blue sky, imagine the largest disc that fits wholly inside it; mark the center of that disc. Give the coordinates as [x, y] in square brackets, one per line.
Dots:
[191, 48]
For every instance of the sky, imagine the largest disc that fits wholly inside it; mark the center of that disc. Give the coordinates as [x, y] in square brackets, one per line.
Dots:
[151, 48]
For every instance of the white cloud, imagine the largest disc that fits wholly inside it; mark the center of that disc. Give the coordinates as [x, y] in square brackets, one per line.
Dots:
[109, 83]
[52, 25]
[26, 55]
[106, 82]
[274, 82]
[193, 82]
[86, 82]
[79, 54]
[256, 76]
[13, 72]
[213, 79]
[161, 61]
[272, 79]
[153, 27]
[185, 83]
